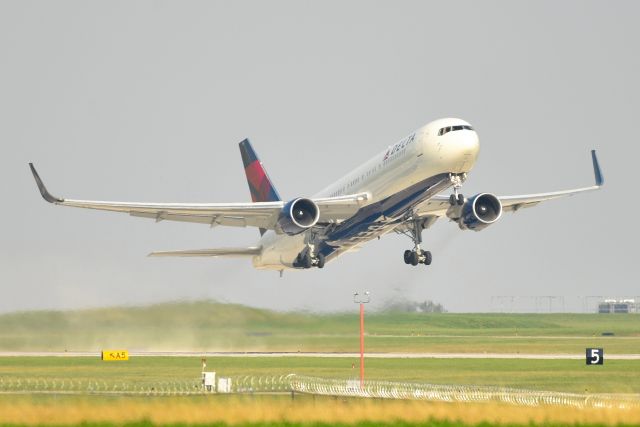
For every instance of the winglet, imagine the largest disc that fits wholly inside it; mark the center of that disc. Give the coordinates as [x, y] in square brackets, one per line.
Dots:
[43, 190]
[596, 169]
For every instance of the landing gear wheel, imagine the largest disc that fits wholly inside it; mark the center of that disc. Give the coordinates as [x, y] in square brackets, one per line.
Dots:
[407, 256]
[413, 229]
[452, 199]
[306, 261]
[460, 199]
[320, 261]
[415, 258]
[427, 258]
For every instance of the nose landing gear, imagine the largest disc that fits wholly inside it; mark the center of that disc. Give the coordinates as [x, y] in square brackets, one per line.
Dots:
[457, 198]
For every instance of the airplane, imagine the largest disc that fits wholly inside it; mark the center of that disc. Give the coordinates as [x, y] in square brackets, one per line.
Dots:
[397, 190]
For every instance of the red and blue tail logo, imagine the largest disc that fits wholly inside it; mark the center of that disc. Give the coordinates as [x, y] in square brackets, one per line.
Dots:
[262, 190]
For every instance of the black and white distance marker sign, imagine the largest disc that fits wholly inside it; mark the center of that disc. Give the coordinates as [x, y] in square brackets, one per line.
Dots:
[595, 356]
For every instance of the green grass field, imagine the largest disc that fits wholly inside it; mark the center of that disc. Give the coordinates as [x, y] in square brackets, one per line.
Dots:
[616, 376]
[209, 326]
[59, 409]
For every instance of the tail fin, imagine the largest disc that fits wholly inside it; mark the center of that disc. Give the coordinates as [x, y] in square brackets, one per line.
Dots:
[260, 186]
[262, 190]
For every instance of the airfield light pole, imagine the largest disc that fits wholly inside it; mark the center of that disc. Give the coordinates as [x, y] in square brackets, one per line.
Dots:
[362, 300]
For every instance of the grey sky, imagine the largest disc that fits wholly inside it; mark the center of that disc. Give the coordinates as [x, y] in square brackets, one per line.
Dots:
[146, 101]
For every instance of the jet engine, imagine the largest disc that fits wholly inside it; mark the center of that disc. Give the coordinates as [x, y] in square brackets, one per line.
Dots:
[298, 215]
[478, 212]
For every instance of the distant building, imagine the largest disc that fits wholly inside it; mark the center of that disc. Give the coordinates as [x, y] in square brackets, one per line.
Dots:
[619, 306]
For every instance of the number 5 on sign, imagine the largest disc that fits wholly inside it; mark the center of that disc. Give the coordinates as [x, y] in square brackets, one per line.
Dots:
[595, 356]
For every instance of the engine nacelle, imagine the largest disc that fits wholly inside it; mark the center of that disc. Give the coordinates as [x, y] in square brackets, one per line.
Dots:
[480, 211]
[298, 215]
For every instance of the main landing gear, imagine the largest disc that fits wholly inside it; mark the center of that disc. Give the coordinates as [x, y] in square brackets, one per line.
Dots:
[456, 198]
[309, 256]
[417, 255]
[306, 259]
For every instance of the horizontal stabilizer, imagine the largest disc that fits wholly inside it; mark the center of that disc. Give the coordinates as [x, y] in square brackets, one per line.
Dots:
[228, 252]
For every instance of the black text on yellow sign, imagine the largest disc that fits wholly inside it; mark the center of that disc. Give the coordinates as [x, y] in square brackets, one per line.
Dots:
[115, 355]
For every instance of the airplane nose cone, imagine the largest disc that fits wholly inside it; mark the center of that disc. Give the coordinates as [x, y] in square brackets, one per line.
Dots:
[451, 145]
[466, 151]
[469, 142]
[474, 144]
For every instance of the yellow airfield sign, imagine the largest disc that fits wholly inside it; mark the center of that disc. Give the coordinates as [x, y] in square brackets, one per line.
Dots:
[115, 355]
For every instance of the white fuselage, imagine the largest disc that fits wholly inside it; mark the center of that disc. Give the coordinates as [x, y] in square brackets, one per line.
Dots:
[406, 164]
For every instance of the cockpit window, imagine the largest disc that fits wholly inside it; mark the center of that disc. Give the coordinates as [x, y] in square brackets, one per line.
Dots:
[448, 129]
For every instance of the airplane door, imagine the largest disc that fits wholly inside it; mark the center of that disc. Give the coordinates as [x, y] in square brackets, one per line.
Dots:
[419, 138]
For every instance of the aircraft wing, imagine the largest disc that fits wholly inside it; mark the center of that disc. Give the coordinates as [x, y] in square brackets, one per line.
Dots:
[437, 206]
[340, 207]
[250, 214]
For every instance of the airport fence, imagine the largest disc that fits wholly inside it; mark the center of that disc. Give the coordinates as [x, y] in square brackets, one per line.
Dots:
[458, 393]
[293, 383]
[73, 386]
[44, 385]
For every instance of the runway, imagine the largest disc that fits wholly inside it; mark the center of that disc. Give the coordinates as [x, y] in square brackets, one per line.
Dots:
[324, 355]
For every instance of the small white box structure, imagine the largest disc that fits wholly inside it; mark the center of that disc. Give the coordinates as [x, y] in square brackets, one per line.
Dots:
[209, 381]
[353, 385]
[224, 385]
